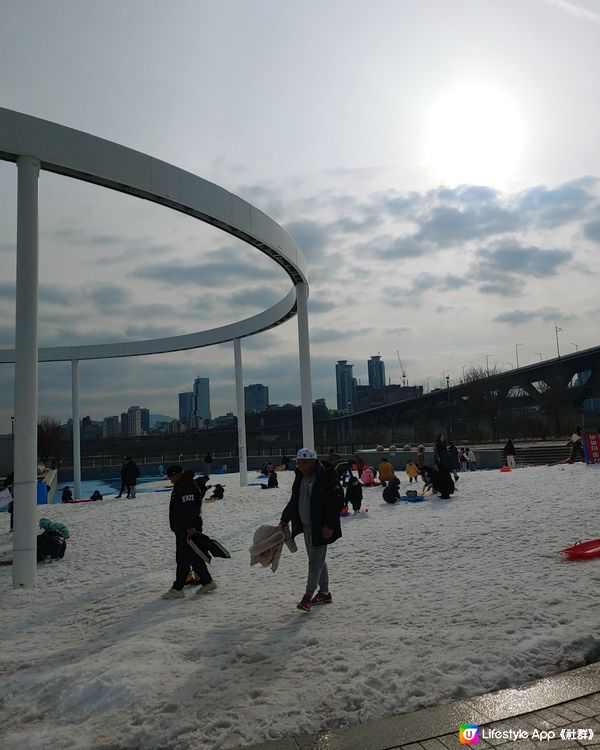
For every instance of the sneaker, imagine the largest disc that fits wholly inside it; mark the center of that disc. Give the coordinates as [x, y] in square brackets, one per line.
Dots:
[322, 598]
[207, 588]
[305, 603]
[173, 594]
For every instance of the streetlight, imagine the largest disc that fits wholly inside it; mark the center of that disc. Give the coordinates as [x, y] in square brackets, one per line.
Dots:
[556, 330]
[575, 345]
[539, 355]
[487, 362]
[517, 353]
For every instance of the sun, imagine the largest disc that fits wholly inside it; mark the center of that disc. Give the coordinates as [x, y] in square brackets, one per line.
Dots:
[473, 134]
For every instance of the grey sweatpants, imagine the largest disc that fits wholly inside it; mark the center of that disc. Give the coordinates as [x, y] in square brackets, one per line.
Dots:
[317, 567]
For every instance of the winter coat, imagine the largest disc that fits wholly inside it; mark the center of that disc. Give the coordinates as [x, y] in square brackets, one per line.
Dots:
[267, 545]
[509, 449]
[391, 493]
[412, 470]
[272, 483]
[326, 502]
[354, 495]
[185, 505]
[367, 476]
[421, 459]
[50, 544]
[130, 472]
[386, 471]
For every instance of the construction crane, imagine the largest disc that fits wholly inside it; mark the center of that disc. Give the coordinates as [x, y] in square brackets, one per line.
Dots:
[404, 381]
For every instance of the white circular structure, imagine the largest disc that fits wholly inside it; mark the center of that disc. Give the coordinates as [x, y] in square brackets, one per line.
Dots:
[86, 157]
[34, 145]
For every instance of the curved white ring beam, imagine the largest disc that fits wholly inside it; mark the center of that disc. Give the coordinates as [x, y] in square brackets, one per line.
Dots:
[86, 157]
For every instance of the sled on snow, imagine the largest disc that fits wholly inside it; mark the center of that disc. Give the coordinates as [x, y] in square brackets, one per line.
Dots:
[583, 550]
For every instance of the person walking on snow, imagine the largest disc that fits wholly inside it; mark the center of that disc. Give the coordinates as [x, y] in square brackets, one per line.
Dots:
[509, 454]
[129, 477]
[185, 522]
[314, 510]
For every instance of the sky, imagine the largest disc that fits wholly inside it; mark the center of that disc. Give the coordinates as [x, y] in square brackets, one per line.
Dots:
[438, 163]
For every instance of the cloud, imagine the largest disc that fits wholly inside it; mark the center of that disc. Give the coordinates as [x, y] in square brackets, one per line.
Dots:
[348, 225]
[108, 295]
[440, 283]
[261, 297]
[325, 335]
[386, 247]
[575, 10]
[592, 230]
[552, 207]
[319, 305]
[312, 236]
[513, 258]
[447, 225]
[211, 273]
[517, 317]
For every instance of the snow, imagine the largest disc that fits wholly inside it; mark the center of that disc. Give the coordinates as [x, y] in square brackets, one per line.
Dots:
[433, 602]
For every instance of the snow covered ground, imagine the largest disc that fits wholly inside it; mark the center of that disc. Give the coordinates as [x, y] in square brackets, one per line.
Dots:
[432, 602]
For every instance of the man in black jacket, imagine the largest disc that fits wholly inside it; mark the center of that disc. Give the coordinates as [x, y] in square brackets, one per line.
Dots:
[185, 522]
[314, 510]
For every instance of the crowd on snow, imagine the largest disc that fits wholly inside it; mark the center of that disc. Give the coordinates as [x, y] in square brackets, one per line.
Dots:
[316, 503]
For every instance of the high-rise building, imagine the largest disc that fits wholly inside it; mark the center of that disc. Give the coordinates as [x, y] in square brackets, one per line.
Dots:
[186, 406]
[111, 427]
[134, 421]
[256, 398]
[124, 432]
[343, 382]
[145, 415]
[376, 372]
[201, 405]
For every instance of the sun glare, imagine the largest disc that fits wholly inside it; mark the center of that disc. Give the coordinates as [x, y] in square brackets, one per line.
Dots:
[473, 134]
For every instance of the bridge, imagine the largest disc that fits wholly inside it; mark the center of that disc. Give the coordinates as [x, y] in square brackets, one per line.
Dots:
[538, 400]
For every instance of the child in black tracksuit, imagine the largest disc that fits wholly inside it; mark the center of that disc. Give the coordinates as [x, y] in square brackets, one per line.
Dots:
[185, 522]
[354, 494]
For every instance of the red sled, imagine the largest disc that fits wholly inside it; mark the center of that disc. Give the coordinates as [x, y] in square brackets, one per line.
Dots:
[584, 550]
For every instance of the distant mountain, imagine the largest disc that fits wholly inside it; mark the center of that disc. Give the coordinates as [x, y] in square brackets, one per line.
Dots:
[154, 418]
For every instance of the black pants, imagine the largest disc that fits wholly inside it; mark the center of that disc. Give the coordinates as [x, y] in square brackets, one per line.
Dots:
[576, 452]
[186, 558]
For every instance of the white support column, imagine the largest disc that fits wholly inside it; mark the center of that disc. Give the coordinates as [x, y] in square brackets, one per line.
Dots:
[26, 375]
[241, 412]
[308, 433]
[76, 431]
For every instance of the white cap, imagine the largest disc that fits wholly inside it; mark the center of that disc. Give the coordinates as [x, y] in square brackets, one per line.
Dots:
[306, 453]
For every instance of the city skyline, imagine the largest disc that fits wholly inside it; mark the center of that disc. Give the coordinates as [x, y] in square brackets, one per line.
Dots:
[447, 204]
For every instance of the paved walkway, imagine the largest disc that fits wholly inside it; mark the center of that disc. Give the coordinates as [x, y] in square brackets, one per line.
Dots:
[566, 707]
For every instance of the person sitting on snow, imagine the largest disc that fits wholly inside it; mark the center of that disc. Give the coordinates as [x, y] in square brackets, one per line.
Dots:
[96, 495]
[272, 483]
[67, 495]
[368, 477]
[218, 492]
[391, 493]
